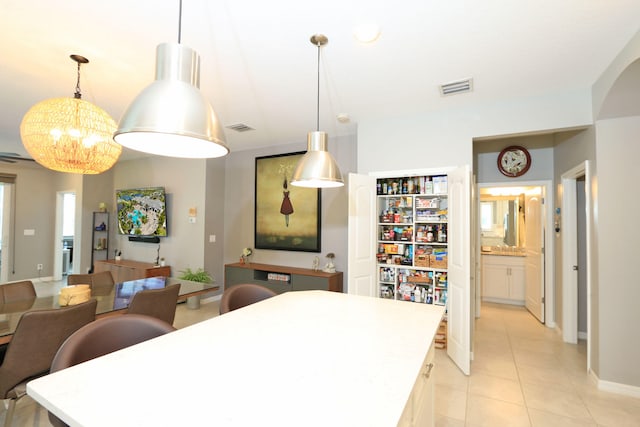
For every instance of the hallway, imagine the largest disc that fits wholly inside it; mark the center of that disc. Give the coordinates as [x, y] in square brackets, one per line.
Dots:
[524, 375]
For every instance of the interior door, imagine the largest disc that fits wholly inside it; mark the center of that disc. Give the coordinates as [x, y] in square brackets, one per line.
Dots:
[459, 274]
[362, 278]
[534, 261]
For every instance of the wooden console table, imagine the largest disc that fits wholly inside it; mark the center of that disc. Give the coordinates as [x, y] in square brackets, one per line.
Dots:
[125, 270]
[281, 278]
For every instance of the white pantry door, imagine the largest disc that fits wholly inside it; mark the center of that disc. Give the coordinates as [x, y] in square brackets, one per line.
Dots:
[459, 273]
[534, 261]
[362, 277]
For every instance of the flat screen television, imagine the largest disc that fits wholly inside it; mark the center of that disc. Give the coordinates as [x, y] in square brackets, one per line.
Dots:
[142, 212]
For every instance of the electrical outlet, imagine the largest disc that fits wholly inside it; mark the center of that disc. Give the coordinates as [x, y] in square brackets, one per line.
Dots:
[39, 266]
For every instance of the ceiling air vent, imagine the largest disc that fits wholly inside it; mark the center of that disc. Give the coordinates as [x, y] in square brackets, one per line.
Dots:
[240, 127]
[453, 88]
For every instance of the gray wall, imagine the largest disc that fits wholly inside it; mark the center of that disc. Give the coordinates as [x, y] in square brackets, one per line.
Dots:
[572, 149]
[214, 220]
[185, 183]
[239, 208]
[618, 294]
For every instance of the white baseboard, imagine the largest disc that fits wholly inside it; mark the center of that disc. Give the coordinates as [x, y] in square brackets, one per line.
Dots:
[43, 279]
[618, 388]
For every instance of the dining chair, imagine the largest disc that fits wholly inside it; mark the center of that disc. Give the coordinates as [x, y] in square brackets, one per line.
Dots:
[34, 344]
[79, 279]
[17, 291]
[102, 283]
[158, 303]
[243, 294]
[105, 336]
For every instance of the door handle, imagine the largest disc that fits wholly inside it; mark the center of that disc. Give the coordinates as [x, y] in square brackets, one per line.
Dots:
[575, 268]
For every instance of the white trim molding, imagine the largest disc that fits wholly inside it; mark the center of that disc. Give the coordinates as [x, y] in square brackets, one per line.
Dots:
[618, 388]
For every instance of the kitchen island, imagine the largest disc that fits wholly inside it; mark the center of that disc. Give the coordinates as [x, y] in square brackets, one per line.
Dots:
[312, 358]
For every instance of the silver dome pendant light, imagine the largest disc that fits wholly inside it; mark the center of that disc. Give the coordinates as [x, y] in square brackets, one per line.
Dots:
[317, 168]
[171, 117]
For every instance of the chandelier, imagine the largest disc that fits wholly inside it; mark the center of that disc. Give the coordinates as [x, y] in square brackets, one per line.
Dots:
[70, 134]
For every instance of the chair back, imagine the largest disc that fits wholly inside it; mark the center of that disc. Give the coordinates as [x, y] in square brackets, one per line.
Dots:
[101, 283]
[241, 295]
[105, 336]
[17, 291]
[79, 279]
[158, 303]
[36, 340]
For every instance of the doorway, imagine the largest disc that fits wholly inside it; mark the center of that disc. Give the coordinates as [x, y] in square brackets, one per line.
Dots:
[65, 234]
[574, 266]
[518, 214]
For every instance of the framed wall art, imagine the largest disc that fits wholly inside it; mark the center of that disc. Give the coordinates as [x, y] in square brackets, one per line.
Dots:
[286, 217]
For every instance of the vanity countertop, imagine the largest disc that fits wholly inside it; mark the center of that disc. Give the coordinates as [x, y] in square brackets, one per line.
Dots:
[504, 253]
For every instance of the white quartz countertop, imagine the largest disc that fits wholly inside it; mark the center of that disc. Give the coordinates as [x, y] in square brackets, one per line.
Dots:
[310, 358]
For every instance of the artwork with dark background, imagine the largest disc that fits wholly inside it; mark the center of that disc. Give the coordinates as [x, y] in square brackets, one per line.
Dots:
[286, 217]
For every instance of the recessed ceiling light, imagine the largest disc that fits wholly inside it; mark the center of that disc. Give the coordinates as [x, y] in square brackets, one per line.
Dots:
[367, 32]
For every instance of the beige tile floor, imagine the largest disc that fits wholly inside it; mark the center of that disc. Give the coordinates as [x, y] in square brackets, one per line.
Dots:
[524, 375]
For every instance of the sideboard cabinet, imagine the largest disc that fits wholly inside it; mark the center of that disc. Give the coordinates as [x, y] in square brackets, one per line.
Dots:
[281, 278]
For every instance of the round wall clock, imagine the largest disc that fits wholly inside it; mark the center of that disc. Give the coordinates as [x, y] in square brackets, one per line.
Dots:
[514, 161]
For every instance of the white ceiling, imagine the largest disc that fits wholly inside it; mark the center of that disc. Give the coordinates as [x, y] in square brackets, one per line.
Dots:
[259, 68]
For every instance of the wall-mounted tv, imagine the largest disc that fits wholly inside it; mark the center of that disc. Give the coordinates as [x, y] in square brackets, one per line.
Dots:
[142, 212]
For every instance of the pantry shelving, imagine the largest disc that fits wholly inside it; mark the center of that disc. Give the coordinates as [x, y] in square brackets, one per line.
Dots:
[412, 239]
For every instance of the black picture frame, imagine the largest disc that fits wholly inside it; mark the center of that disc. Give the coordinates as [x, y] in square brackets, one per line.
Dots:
[274, 228]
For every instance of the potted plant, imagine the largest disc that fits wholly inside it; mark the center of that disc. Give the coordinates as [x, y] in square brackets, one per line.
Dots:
[246, 253]
[199, 275]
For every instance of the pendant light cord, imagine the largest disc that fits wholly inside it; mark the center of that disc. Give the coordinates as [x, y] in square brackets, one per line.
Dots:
[77, 94]
[318, 98]
[180, 23]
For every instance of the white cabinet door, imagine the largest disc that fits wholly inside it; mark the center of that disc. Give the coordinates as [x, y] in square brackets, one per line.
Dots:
[495, 281]
[517, 279]
[424, 395]
[420, 409]
[503, 279]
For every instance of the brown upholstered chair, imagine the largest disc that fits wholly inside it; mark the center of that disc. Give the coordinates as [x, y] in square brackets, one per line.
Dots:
[79, 279]
[101, 283]
[158, 303]
[242, 295]
[105, 336]
[34, 344]
[17, 291]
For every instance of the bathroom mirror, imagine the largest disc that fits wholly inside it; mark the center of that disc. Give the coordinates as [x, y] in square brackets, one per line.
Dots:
[502, 220]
